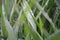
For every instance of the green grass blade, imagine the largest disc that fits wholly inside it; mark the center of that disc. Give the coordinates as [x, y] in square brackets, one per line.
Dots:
[8, 26]
[54, 36]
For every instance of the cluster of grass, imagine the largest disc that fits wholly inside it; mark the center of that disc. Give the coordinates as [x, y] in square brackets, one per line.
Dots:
[30, 20]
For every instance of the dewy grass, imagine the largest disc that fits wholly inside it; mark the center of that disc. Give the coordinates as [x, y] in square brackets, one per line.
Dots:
[32, 20]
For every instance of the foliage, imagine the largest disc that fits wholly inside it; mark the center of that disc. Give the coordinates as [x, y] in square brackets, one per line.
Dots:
[30, 19]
